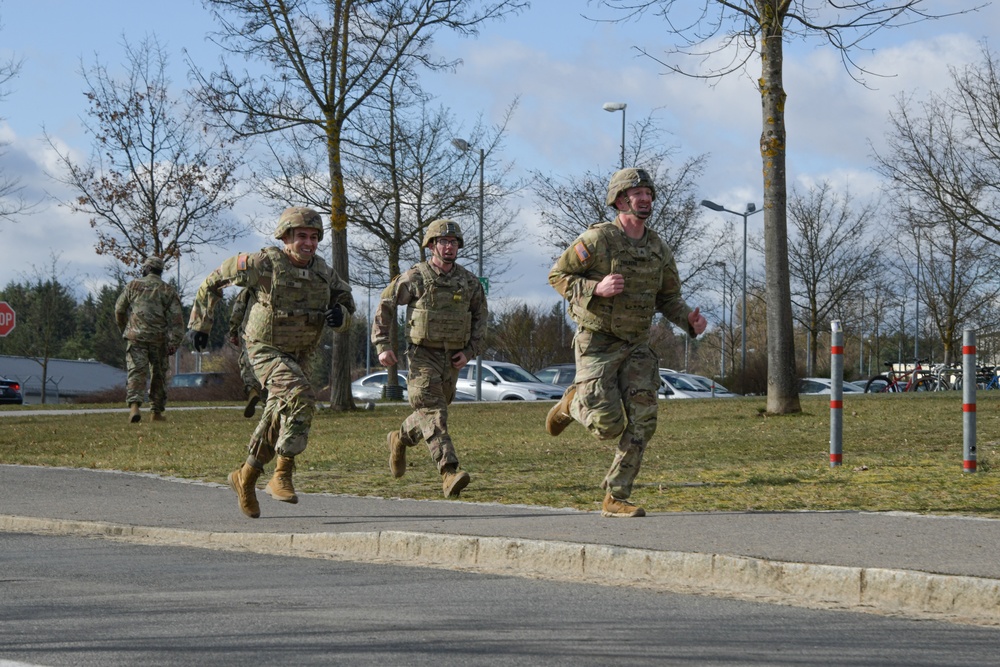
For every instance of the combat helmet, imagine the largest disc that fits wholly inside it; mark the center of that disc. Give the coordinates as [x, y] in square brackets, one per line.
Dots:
[298, 216]
[623, 179]
[443, 227]
[152, 263]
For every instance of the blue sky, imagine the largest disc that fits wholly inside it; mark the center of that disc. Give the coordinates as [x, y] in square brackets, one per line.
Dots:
[562, 66]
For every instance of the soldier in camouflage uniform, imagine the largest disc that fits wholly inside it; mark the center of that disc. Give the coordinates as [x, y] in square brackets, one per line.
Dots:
[149, 315]
[446, 322]
[294, 294]
[616, 276]
[237, 323]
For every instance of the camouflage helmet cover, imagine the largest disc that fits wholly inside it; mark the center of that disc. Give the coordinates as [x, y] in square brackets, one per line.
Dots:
[298, 216]
[443, 227]
[623, 179]
[153, 264]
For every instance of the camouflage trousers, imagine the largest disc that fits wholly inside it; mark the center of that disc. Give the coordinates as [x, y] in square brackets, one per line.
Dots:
[284, 426]
[430, 385]
[250, 381]
[146, 362]
[616, 384]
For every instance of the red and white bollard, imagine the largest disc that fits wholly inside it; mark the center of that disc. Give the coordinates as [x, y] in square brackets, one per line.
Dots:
[836, 394]
[969, 400]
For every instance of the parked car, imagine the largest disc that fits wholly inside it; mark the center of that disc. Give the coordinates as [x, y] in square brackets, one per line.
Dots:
[503, 381]
[822, 386]
[197, 380]
[369, 387]
[560, 374]
[10, 392]
[712, 385]
[685, 385]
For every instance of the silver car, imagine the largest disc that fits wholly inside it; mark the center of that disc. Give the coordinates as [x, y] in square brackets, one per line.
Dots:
[503, 381]
[369, 387]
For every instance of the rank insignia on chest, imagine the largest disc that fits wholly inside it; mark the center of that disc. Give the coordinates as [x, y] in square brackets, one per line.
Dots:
[582, 252]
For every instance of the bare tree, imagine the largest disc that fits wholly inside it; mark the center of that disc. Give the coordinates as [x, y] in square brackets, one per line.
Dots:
[571, 204]
[830, 255]
[943, 153]
[323, 61]
[745, 28]
[956, 276]
[157, 182]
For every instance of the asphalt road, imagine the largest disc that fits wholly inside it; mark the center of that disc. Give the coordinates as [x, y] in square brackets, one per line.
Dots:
[79, 601]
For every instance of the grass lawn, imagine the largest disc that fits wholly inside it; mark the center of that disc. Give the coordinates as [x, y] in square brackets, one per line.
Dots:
[900, 452]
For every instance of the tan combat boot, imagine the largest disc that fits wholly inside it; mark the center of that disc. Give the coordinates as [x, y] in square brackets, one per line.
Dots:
[397, 454]
[453, 481]
[159, 417]
[242, 481]
[280, 487]
[133, 414]
[559, 418]
[620, 508]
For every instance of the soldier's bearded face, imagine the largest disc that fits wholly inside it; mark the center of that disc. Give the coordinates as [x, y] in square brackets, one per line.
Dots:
[301, 244]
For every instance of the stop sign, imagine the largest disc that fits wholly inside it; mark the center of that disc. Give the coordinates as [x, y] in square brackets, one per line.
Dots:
[7, 318]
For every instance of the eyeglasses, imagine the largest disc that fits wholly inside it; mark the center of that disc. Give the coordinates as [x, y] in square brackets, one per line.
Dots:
[446, 242]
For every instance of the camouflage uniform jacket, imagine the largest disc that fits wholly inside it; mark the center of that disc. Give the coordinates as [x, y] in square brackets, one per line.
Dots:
[288, 303]
[651, 282]
[425, 287]
[149, 311]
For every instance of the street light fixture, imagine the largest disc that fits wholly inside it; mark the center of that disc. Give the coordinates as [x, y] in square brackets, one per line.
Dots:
[465, 146]
[618, 106]
[751, 209]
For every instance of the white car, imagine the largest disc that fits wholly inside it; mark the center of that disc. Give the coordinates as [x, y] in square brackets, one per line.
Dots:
[822, 386]
[686, 385]
[503, 381]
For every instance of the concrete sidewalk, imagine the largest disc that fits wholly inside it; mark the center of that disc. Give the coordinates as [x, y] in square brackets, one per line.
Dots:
[917, 566]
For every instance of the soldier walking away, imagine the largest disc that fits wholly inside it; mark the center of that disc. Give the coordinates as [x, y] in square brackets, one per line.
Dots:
[294, 294]
[149, 315]
[446, 321]
[237, 323]
[616, 276]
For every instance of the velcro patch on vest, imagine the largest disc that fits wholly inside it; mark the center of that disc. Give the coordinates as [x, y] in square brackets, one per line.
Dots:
[581, 251]
[241, 262]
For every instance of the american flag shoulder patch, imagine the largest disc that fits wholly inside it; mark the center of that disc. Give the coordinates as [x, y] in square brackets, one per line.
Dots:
[241, 262]
[581, 251]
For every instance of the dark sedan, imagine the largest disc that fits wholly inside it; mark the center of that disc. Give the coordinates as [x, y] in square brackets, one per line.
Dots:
[10, 392]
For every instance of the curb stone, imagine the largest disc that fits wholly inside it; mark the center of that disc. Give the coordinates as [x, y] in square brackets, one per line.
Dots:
[912, 594]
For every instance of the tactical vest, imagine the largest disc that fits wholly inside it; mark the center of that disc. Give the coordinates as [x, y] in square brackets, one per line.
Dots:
[441, 317]
[627, 315]
[291, 303]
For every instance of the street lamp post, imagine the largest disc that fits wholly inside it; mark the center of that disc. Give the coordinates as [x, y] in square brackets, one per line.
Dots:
[464, 146]
[751, 209]
[618, 106]
[722, 337]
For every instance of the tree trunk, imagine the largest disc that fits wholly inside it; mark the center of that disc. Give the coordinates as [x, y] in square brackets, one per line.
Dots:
[782, 393]
[340, 357]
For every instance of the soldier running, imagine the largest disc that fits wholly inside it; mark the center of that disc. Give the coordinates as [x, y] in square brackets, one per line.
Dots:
[616, 276]
[446, 322]
[149, 315]
[294, 295]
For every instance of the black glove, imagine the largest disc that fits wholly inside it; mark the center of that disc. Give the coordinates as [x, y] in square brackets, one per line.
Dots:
[197, 339]
[335, 316]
